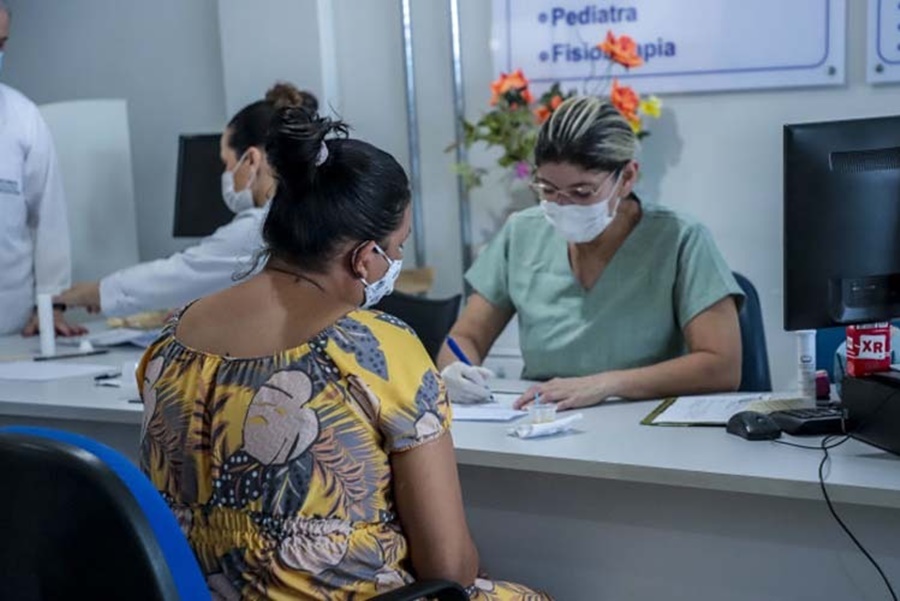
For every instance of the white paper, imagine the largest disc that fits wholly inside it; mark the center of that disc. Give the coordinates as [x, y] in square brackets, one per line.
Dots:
[488, 412]
[42, 371]
[547, 429]
[716, 409]
[895, 367]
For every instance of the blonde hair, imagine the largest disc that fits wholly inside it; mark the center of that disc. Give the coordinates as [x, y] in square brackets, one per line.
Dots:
[589, 132]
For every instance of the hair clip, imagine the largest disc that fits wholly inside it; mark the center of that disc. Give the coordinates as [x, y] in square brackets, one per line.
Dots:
[323, 154]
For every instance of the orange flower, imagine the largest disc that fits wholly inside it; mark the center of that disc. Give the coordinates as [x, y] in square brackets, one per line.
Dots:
[542, 113]
[555, 102]
[622, 50]
[510, 83]
[627, 102]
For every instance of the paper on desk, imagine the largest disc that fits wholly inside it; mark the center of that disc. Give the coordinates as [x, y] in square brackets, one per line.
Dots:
[714, 410]
[42, 371]
[548, 429]
[488, 412]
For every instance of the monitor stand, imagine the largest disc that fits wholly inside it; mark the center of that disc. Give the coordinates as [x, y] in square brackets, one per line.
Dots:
[872, 405]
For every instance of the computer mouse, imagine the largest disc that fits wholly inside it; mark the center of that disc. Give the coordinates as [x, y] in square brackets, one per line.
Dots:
[753, 426]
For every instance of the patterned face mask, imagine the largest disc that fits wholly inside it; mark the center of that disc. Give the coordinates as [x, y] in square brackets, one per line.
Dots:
[378, 290]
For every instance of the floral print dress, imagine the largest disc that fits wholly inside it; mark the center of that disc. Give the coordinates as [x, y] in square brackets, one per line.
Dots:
[278, 467]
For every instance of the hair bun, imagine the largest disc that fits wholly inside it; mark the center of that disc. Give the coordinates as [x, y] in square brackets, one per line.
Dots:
[295, 143]
[284, 94]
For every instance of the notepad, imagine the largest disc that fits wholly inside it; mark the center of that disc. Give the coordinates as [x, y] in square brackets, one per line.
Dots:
[42, 371]
[715, 410]
[488, 412]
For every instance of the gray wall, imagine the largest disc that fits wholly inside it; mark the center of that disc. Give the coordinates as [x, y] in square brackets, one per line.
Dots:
[163, 57]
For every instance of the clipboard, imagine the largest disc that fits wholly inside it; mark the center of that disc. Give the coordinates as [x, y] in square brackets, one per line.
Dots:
[714, 410]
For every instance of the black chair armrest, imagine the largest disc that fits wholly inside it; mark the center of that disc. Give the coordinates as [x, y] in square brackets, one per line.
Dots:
[442, 590]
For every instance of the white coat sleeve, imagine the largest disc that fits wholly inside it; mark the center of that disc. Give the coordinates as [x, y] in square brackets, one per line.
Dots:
[198, 271]
[47, 216]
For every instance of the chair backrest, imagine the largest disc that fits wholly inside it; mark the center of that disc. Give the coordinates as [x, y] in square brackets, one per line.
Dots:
[755, 375]
[79, 520]
[430, 319]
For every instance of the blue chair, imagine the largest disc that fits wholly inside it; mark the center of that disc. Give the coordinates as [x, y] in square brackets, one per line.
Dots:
[755, 374]
[79, 520]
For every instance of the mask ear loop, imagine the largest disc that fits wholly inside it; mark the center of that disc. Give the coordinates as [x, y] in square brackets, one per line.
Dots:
[252, 179]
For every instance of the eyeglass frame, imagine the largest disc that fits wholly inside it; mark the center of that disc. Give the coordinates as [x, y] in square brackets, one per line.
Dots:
[541, 189]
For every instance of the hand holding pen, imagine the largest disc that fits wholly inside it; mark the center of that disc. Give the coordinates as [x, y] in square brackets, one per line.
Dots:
[466, 383]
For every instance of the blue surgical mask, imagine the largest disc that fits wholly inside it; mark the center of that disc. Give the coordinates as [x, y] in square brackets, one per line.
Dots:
[378, 290]
[1, 60]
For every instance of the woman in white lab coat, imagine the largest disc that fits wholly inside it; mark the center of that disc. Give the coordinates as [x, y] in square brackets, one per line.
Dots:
[247, 186]
[34, 231]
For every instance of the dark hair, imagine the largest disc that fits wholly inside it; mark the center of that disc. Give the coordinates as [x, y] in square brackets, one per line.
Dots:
[589, 132]
[250, 125]
[350, 192]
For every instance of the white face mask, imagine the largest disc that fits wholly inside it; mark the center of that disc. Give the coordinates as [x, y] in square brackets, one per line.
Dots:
[378, 290]
[581, 223]
[234, 200]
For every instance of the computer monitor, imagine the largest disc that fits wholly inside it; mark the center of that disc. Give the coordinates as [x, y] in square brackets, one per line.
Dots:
[199, 209]
[841, 222]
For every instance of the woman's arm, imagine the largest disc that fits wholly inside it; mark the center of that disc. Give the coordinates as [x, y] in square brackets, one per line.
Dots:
[713, 364]
[476, 330]
[429, 503]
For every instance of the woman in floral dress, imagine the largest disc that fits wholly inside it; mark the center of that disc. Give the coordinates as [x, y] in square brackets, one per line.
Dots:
[301, 440]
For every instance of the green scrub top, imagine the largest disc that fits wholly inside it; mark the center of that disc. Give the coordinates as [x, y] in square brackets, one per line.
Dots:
[666, 272]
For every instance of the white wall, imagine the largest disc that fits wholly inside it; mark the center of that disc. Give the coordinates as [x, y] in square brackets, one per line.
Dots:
[716, 156]
[163, 57]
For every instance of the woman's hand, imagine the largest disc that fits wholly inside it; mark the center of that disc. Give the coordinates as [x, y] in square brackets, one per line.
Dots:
[570, 393]
[82, 294]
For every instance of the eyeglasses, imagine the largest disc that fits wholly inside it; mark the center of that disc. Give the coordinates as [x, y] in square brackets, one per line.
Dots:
[584, 193]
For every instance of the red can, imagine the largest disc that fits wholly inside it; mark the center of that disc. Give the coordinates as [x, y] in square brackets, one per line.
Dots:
[868, 349]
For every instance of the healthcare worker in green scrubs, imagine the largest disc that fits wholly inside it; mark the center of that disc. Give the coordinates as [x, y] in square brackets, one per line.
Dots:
[615, 298]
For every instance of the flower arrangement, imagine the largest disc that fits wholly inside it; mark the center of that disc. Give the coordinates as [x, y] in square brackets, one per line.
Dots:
[513, 122]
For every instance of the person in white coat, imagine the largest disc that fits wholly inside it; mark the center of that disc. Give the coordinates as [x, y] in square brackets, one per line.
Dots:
[34, 229]
[212, 265]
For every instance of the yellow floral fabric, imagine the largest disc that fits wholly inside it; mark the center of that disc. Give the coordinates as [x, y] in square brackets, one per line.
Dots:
[278, 467]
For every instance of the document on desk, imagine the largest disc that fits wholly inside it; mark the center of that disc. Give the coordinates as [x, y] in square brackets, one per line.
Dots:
[498, 411]
[714, 410]
[43, 371]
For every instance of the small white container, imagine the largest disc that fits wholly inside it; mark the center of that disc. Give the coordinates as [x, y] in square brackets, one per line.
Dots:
[542, 413]
[806, 363]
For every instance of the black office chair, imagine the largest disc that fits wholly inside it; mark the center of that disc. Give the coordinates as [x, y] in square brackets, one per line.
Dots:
[79, 520]
[430, 319]
[755, 375]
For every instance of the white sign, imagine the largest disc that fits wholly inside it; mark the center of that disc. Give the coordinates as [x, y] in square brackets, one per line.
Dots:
[687, 45]
[883, 64]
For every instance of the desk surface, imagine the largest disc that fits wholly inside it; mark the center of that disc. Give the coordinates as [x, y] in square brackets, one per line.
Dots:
[69, 398]
[610, 443]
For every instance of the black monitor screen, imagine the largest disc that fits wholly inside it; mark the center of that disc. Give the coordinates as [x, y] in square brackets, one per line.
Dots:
[841, 222]
[199, 209]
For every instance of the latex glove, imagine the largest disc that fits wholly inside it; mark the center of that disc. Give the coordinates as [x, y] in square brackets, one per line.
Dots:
[467, 384]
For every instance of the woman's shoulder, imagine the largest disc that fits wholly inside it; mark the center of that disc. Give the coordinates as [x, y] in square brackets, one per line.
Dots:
[662, 219]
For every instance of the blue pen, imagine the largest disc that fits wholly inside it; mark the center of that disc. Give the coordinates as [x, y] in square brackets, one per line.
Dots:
[457, 351]
[460, 355]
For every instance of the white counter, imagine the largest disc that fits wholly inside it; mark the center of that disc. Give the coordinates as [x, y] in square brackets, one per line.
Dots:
[616, 510]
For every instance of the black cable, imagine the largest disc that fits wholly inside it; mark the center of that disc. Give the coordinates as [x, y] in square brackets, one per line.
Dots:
[812, 448]
[825, 446]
